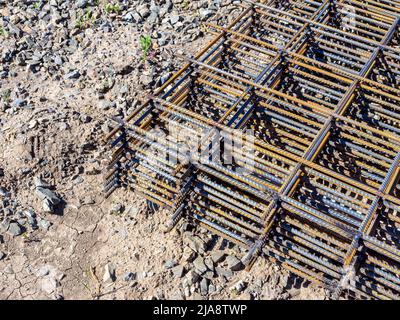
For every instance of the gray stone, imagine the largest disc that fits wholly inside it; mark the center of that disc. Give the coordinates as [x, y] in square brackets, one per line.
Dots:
[14, 229]
[178, 271]
[223, 272]
[204, 13]
[234, 263]
[239, 286]
[47, 206]
[196, 244]
[81, 3]
[199, 265]
[44, 193]
[2, 255]
[129, 276]
[43, 271]
[174, 19]
[44, 224]
[170, 264]
[18, 102]
[204, 286]
[109, 273]
[73, 75]
[192, 277]
[217, 256]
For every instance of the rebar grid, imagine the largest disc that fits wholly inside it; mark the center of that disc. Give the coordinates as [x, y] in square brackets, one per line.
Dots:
[316, 82]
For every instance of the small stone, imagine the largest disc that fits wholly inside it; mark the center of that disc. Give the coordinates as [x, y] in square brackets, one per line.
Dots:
[204, 286]
[234, 263]
[129, 276]
[192, 277]
[109, 274]
[170, 264]
[81, 3]
[178, 271]
[196, 244]
[44, 193]
[2, 255]
[199, 265]
[117, 209]
[218, 256]
[223, 272]
[239, 286]
[75, 74]
[43, 271]
[14, 229]
[44, 224]
[18, 102]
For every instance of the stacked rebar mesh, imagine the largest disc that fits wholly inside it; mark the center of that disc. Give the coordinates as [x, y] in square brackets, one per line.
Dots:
[283, 136]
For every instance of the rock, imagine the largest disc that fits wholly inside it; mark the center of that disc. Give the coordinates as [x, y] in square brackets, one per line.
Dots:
[47, 206]
[129, 276]
[224, 272]
[174, 19]
[81, 3]
[199, 265]
[44, 224]
[204, 13]
[109, 273]
[188, 255]
[204, 286]
[2, 255]
[170, 264]
[239, 286]
[234, 264]
[209, 263]
[44, 193]
[18, 103]
[178, 271]
[117, 209]
[196, 244]
[4, 193]
[192, 277]
[218, 256]
[75, 74]
[43, 271]
[14, 229]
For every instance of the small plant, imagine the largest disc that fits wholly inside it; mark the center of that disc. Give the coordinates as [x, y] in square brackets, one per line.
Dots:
[84, 20]
[112, 8]
[7, 97]
[185, 4]
[36, 5]
[145, 45]
[3, 32]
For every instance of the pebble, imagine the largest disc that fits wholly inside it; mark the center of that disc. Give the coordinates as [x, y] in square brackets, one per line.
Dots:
[234, 264]
[2, 255]
[204, 286]
[217, 256]
[14, 229]
[129, 276]
[46, 194]
[178, 271]
[109, 273]
[170, 264]
[199, 265]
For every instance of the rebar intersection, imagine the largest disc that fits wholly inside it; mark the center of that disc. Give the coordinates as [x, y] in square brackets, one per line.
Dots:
[317, 85]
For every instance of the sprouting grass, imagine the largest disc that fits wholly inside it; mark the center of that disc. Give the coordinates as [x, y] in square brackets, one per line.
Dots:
[185, 4]
[36, 5]
[145, 45]
[84, 20]
[7, 97]
[112, 8]
[3, 32]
